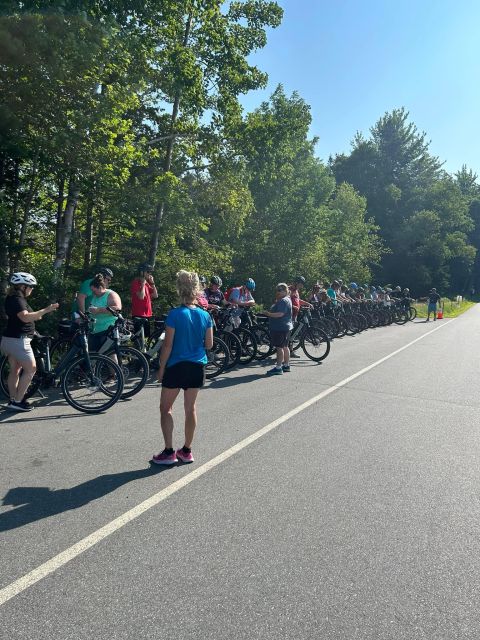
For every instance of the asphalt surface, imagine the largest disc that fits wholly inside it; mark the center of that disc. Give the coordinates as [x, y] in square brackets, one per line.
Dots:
[356, 518]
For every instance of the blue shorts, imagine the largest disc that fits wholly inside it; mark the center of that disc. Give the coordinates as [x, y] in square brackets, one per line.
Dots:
[432, 306]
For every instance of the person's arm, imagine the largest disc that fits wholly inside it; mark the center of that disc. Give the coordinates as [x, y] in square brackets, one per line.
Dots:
[152, 288]
[140, 288]
[81, 297]
[209, 338]
[273, 314]
[34, 316]
[304, 303]
[166, 351]
[248, 303]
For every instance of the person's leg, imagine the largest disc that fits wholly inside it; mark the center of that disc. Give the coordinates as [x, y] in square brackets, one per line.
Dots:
[279, 357]
[13, 376]
[167, 398]
[189, 400]
[286, 356]
[29, 367]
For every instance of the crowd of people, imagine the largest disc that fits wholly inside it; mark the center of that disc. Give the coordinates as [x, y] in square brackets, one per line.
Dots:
[188, 330]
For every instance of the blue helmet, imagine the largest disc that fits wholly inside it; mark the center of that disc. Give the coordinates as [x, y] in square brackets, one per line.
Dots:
[353, 285]
[250, 284]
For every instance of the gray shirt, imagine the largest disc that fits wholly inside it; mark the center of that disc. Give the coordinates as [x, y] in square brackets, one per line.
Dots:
[284, 305]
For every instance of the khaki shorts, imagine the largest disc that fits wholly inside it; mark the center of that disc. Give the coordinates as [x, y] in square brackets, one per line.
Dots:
[18, 348]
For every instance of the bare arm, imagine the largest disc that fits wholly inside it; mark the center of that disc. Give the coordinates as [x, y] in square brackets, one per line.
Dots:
[33, 316]
[166, 351]
[113, 302]
[81, 297]
[209, 338]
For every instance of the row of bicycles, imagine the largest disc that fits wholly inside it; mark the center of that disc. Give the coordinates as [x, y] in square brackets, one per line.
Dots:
[93, 382]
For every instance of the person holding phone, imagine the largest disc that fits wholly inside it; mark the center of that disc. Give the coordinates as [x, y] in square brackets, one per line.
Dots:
[101, 299]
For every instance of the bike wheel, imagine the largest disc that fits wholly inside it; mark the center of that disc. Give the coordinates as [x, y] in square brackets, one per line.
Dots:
[58, 349]
[264, 344]
[218, 357]
[315, 344]
[412, 312]
[5, 370]
[135, 370]
[92, 389]
[234, 345]
[249, 345]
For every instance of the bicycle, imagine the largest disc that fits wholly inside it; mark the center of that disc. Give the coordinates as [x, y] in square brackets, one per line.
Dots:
[90, 382]
[133, 363]
[313, 341]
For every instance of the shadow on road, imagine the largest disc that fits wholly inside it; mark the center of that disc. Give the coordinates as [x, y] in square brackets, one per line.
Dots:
[230, 382]
[36, 503]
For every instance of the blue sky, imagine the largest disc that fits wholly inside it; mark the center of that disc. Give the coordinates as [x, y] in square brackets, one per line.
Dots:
[352, 60]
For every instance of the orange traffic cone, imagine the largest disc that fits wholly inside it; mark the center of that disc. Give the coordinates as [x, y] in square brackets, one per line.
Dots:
[440, 314]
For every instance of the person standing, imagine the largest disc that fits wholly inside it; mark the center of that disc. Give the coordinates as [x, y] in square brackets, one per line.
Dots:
[188, 334]
[433, 300]
[280, 324]
[101, 299]
[16, 339]
[84, 295]
[143, 291]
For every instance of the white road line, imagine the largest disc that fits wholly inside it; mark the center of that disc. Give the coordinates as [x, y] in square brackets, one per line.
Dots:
[45, 569]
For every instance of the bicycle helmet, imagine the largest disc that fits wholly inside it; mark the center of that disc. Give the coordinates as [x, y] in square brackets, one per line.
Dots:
[216, 280]
[298, 279]
[398, 288]
[202, 280]
[144, 266]
[366, 286]
[406, 290]
[20, 277]
[353, 285]
[250, 284]
[105, 271]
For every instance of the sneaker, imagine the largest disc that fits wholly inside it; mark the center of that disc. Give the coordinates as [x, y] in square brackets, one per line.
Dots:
[274, 372]
[165, 458]
[19, 406]
[294, 354]
[184, 457]
[286, 368]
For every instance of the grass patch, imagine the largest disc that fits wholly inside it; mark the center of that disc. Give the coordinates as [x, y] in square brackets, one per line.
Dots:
[451, 309]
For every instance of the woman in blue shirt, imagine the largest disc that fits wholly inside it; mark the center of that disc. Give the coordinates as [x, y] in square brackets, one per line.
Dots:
[188, 333]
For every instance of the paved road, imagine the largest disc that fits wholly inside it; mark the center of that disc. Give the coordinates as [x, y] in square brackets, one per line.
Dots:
[357, 517]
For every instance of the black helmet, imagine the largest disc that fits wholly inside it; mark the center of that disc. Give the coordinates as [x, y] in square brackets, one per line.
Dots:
[298, 279]
[202, 279]
[216, 280]
[105, 271]
[144, 266]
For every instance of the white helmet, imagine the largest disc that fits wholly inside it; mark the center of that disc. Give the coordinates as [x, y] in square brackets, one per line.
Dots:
[23, 278]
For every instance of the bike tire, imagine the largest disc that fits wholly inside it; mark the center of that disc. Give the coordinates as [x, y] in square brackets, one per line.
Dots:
[217, 359]
[135, 370]
[234, 345]
[249, 345]
[315, 344]
[77, 377]
[264, 342]
[412, 312]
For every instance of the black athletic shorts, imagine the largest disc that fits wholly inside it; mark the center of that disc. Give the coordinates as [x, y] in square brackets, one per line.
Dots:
[280, 338]
[184, 375]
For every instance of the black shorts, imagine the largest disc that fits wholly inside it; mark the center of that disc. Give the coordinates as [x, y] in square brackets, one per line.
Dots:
[280, 338]
[95, 340]
[184, 375]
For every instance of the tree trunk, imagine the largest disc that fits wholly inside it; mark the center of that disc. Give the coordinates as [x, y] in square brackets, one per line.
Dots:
[100, 237]
[87, 255]
[65, 224]
[160, 209]
[32, 189]
[4, 265]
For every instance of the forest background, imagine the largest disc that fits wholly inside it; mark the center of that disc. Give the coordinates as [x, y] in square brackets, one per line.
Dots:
[122, 140]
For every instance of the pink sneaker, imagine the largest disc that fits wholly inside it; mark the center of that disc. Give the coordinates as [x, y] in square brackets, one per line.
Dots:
[164, 458]
[184, 457]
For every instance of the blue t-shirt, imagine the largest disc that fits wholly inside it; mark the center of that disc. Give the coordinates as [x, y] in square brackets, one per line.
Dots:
[189, 340]
[284, 305]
